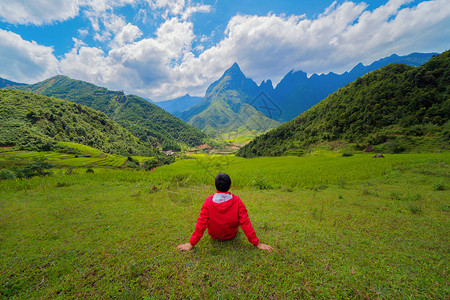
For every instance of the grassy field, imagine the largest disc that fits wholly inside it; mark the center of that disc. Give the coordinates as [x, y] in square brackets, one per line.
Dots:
[90, 158]
[342, 227]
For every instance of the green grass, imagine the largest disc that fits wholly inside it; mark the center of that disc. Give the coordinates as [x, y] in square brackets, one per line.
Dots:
[83, 148]
[112, 160]
[342, 227]
[141, 159]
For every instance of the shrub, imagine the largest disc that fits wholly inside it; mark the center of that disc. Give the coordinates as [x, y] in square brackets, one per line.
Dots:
[131, 164]
[7, 174]
[62, 184]
[166, 159]
[69, 171]
[150, 164]
[439, 187]
[261, 183]
[180, 180]
[40, 167]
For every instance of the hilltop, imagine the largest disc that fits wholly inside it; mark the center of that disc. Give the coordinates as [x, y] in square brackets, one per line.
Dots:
[397, 107]
[145, 120]
[36, 122]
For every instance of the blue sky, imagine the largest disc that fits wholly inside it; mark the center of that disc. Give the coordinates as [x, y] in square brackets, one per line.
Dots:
[162, 49]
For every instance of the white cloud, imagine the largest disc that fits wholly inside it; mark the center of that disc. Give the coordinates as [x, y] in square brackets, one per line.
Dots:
[38, 12]
[178, 8]
[190, 10]
[173, 7]
[128, 34]
[98, 6]
[112, 25]
[139, 67]
[83, 32]
[78, 43]
[24, 61]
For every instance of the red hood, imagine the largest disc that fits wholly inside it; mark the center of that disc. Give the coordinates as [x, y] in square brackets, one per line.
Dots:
[223, 201]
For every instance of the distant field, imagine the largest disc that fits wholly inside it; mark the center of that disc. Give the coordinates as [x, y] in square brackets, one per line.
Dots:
[342, 227]
[112, 160]
[239, 138]
[91, 157]
[141, 158]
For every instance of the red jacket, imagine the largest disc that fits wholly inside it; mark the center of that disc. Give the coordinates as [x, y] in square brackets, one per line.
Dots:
[222, 214]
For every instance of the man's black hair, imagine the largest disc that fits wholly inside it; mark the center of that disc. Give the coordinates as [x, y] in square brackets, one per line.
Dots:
[223, 182]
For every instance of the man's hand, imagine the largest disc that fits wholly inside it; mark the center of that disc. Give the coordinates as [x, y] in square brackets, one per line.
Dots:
[184, 247]
[264, 247]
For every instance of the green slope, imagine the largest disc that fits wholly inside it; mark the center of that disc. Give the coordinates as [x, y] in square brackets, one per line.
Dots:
[396, 107]
[144, 119]
[226, 107]
[37, 122]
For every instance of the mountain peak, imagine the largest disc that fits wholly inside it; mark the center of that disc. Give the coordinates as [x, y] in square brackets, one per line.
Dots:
[266, 85]
[234, 70]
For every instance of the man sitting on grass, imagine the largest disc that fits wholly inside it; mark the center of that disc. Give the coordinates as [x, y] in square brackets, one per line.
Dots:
[223, 213]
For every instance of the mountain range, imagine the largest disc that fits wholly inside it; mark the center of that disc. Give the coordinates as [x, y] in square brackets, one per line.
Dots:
[235, 103]
[145, 120]
[177, 105]
[393, 109]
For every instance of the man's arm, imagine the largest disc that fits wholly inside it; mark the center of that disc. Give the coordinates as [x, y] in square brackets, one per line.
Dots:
[246, 225]
[200, 227]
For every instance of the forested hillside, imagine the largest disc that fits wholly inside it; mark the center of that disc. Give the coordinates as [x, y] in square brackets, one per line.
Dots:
[145, 120]
[36, 122]
[396, 107]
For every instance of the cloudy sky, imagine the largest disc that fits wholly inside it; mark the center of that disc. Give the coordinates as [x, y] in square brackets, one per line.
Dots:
[162, 49]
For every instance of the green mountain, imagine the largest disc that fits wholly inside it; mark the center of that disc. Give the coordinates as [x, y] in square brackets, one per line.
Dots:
[38, 122]
[227, 106]
[145, 120]
[8, 83]
[395, 108]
